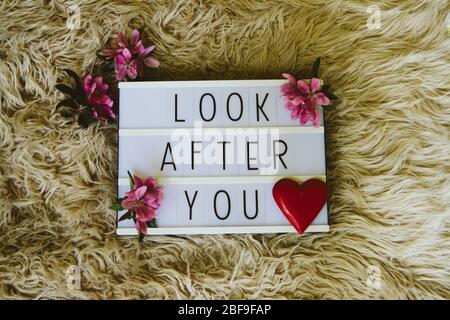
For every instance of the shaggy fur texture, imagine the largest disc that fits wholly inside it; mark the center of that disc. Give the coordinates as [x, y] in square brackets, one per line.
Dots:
[388, 151]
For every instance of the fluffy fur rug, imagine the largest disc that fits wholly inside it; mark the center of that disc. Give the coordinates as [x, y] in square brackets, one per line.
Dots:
[388, 151]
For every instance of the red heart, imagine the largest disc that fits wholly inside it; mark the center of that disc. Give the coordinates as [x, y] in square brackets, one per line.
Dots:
[300, 203]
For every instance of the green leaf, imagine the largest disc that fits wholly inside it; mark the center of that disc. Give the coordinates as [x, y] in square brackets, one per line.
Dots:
[117, 206]
[81, 98]
[131, 180]
[67, 113]
[325, 88]
[66, 90]
[66, 103]
[126, 216]
[141, 237]
[76, 78]
[315, 69]
[109, 66]
[85, 118]
[100, 56]
[331, 96]
[152, 224]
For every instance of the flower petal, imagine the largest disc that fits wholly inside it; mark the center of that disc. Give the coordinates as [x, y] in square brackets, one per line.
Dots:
[104, 101]
[104, 113]
[120, 74]
[122, 40]
[140, 192]
[139, 48]
[137, 182]
[126, 54]
[295, 114]
[322, 99]
[128, 203]
[103, 87]
[150, 200]
[316, 120]
[142, 51]
[292, 80]
[144, 213]
[285, 88]
[298, 100]
[130, 195]
[129, 70]
[290, 106]
[87, 82]
[315, 84]
[303, 87]
[119, 60]
[151, 62]
[141, 226]
[108, 53]
[150, 183]
[132, 73]
[304, 118]
[310, 104]
[148, 50]
[135, 37]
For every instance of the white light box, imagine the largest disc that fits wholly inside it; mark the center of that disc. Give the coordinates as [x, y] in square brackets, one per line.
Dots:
[217, 148]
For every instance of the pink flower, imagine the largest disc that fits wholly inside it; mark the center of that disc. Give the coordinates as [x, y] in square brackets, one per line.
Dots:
[103, 112]
[155, 193]
[130, 56]
[303, 99]
[125, 65]
[120, 43]
[289, 90]
[143, 53]
[97, 93]
[142, 203]
[143, 200]
[116, 46]
[312, 91]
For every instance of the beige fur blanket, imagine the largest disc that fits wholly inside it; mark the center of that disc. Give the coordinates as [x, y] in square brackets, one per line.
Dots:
[388, 151]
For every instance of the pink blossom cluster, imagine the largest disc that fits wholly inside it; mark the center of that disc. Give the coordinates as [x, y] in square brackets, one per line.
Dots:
[130, 56]
[143, 200]
[98, 97]
[304, 99]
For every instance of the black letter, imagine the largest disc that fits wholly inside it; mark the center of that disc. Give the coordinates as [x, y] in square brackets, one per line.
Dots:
[260, 107]
[176, 110]
[223, 151]
[279, 154]
[215, 206]
[228, 106]
[245, 206]
[191, 204]
[192, 153]
[201, 107]
[248, 155]
[168, 147]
